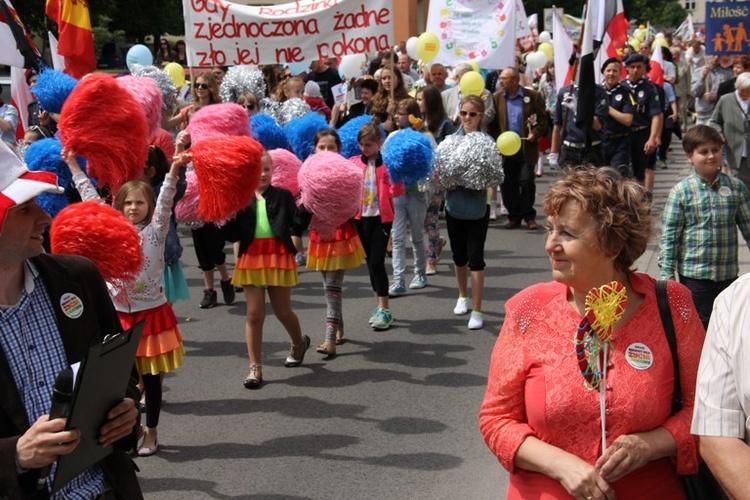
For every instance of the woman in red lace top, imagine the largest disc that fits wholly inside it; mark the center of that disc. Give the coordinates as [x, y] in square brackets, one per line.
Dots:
[538, 417]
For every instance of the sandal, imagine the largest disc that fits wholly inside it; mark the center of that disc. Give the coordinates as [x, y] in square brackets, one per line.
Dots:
[291, 361]
[339, 337]
[254, 378]
[328, 348]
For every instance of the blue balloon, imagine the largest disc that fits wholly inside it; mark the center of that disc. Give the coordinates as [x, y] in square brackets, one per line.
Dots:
[139, 54]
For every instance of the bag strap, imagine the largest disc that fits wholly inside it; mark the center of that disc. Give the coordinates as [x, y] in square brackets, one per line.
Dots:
[666, 319]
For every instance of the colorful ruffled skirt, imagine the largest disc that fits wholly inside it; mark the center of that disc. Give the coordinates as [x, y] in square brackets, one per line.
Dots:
[344, 251]
[160, 349]
[267, 262]
[174, 283]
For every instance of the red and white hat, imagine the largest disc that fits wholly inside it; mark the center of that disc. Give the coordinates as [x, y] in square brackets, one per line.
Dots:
[18, 185]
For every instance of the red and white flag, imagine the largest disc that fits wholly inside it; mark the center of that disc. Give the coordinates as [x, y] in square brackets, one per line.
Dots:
[610, 30]
[656, 73]
[20, 97]
[562, 47]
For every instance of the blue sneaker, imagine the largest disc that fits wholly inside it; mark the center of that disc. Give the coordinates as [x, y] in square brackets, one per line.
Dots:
[373, 316]
[418, 282]
[383, 319]
[397, 289]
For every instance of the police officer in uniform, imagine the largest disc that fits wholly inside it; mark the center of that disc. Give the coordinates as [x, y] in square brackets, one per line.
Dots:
[647, 122]
[616, 129]
[569, 141]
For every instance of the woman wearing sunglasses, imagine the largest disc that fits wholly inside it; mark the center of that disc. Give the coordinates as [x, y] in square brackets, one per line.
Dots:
[467, 216]
[249, 101]
[205, 92]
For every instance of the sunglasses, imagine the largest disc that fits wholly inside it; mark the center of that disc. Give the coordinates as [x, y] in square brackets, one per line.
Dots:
[203, 86]
[249, 107]
[285, 76]
[471, 114]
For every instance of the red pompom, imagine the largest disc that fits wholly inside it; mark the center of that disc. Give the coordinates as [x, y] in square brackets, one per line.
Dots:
[228, 170]
[103, 123]
[103, 235]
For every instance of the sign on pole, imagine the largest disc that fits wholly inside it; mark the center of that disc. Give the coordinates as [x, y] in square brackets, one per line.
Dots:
[223, 33]
[726, 28]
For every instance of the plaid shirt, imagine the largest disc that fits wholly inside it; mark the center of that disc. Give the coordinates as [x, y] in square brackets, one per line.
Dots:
[699, 228]
[32, 345]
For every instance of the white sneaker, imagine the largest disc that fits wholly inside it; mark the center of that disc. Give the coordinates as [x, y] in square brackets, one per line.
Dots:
[493, 215]
[462, 306]
[476, 322]
[503, 210]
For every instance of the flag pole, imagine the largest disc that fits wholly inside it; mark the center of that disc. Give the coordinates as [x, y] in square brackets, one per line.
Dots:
[576, 68]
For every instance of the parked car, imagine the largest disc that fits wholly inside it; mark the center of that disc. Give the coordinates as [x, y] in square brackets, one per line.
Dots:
[112, 57]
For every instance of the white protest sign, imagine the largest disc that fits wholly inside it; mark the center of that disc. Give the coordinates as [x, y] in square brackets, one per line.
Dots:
[224, 33]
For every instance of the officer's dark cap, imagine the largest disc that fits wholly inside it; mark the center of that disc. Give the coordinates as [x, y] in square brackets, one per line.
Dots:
[610, 61]
[636, 58]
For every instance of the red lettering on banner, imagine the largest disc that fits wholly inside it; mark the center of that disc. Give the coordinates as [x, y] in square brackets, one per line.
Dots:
[356, 45]
[289, 55]
[214, 57]
[211, 7]
[362, 19]
[245, 56]
[216, 30]
[309, 8]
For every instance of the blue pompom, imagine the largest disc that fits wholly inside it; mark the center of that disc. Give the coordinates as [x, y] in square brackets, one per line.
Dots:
[408, 156]
[52, 203]
[52, 88]
[266, 131]
[348, 133]
[300, 133]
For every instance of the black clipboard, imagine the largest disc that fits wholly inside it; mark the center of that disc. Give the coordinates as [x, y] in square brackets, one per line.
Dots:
[100, 385]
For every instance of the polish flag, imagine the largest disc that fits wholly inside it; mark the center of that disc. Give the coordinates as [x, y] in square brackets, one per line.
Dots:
[610, 30]
[20, 97]
[656, 73]
[562, 47]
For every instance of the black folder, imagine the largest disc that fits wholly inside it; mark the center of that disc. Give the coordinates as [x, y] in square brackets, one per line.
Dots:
[100, 385]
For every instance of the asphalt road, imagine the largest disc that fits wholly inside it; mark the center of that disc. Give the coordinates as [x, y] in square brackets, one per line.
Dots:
[393, 416]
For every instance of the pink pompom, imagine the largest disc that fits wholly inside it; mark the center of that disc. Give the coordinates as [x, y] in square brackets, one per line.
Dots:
[103, 123]
[147, 94]
[186, 210]
[103, 235]
[218, 120]
[331, 188]
[228, 171]
[285, 170]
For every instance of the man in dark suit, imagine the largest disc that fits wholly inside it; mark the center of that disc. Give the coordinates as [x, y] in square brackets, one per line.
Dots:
[52, 309]
[520, 110]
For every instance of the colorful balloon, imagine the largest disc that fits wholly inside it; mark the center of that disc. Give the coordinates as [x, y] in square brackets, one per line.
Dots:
[428, 46]
[176, 72]
[473, 65]
[471, 83]
[509, 143]
[546, 47]
[139, 54]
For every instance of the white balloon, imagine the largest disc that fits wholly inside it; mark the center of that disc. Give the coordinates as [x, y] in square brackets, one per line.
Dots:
[351, 65]
[659, 35]
[544, 37]
[411, 48]
[536, 60]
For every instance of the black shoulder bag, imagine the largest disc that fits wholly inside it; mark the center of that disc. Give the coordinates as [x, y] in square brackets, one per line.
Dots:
[702, 485]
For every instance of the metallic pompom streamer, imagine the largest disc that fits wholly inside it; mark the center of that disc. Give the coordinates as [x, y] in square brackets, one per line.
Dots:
[291, 109]
[165, 83]
[241, 79]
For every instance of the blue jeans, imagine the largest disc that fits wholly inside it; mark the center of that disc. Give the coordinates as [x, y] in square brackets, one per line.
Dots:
[704, 293]
[411, 208]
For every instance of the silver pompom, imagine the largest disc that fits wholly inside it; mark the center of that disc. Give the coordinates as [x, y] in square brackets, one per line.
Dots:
[241, 79]
[271, 108]
[166, 85]
[471, 161]
[291, 109]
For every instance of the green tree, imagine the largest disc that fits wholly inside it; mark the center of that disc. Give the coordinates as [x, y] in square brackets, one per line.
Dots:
[103, 35]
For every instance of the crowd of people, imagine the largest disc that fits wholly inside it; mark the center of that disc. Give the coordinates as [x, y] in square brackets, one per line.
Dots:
[549, 433]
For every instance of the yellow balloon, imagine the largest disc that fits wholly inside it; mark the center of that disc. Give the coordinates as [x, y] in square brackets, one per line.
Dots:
[509, 143]
[471, 83]
[473, 65]
[641, 26]
[176, 72]
[633, 42]
[640, 35]
[546, 47]
[659, 41]
[428, 46]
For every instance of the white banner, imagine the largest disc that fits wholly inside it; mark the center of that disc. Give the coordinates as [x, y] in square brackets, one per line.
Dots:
[223, 33]
[483, 31]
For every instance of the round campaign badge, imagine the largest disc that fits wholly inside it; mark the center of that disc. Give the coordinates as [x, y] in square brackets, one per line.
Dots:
[640, 94]
[639, 356]
[618, 97]
[526, 99]
[71, 305]
[725, 191]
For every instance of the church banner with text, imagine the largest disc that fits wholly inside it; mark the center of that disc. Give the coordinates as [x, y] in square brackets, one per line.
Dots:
[727, 25]
[223, 33]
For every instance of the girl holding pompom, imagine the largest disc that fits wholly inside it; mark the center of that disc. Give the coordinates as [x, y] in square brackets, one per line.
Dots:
[375, 217]
[266, 264]
[160, 349]
[332, 257]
